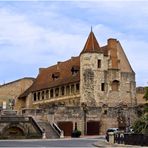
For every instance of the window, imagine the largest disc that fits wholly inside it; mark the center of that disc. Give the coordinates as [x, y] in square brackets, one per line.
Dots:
[51, 93]
[42, 95]
[38, 95]
[115, 85]
[55, 75]
[57, 92]
[102, 87]
[99, 63]
[47, 94]
[62, 90]
[34, 96]
[67, 90]
[77, 87]
[75, 70]
[72, 89]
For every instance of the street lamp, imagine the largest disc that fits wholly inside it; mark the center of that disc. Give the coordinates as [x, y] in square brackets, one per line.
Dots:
[85, 109]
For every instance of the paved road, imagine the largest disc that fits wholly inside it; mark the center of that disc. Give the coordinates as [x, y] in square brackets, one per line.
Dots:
[75, 142]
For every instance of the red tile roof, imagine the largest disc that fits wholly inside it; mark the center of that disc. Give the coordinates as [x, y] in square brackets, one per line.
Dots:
[92, 45]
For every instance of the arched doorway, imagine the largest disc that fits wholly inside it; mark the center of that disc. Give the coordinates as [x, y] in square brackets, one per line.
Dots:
[12, 132]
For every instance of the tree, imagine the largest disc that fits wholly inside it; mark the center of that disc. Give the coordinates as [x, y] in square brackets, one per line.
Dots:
[141, 125]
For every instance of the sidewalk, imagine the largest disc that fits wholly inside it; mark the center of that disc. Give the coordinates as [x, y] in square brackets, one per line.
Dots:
[104, 143]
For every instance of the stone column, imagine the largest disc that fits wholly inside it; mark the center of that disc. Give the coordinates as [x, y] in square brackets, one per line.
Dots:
[111, 137]
[53, 92]
[49, 94]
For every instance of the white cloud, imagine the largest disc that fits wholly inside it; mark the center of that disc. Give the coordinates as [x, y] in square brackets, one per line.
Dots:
[46, 33]
[24, 42]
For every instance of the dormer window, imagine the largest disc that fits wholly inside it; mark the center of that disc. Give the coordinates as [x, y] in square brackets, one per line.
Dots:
[55, 75]
[75, 70]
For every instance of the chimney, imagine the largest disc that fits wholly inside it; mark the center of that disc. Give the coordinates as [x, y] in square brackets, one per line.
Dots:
[112, 43]
[112, 46]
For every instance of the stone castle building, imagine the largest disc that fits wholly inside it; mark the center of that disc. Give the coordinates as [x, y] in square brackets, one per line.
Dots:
[93, 91]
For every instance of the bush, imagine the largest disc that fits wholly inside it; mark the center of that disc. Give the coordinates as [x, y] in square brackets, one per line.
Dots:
[76, 133]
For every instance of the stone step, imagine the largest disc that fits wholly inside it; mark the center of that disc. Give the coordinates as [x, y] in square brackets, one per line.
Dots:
[49, 131]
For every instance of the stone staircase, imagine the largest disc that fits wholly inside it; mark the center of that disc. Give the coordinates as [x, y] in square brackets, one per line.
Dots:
[49, 131]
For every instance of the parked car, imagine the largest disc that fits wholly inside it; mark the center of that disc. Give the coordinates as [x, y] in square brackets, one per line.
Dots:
[110, 130]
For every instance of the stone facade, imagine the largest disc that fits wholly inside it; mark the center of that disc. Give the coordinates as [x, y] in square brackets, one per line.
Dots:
[94, 91]
[10, 92]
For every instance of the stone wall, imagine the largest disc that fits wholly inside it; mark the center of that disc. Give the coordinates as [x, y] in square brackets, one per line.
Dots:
[107, 116]
[9, 92]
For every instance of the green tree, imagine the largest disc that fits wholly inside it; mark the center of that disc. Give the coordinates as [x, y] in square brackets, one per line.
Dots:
[141, 125]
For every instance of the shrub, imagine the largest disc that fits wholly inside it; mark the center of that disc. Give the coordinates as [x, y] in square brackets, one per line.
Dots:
[76, 133]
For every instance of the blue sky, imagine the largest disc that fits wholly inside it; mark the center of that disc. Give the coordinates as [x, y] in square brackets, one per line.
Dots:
[37, 34]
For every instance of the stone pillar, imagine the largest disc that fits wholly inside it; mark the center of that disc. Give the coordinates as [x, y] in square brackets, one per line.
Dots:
[53, 92]
[111, 137]
[69, 89]
[49, 94]
[60, 91]
[65, 91]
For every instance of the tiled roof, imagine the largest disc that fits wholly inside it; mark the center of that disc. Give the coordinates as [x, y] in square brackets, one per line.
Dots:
[92, 45]
[45, 78]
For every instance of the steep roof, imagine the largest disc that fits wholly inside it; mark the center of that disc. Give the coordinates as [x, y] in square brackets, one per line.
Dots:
[91, 45]
[59, 74]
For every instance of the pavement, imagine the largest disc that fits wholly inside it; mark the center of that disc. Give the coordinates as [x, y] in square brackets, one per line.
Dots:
[104, 143]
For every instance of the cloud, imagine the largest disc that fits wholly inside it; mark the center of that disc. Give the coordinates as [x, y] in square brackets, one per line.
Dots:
[38, 34]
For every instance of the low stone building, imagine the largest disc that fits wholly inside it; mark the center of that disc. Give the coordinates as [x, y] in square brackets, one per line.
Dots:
[9, 92]
[93, 91]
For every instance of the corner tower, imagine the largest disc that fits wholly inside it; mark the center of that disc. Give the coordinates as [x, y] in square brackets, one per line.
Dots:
[92, 67]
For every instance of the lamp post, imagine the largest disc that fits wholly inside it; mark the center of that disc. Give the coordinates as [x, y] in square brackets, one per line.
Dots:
[85, 109]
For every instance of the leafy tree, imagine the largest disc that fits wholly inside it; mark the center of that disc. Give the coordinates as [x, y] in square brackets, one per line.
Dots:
[141, 125]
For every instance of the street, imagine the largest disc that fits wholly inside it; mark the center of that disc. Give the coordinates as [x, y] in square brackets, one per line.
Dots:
[68, 142]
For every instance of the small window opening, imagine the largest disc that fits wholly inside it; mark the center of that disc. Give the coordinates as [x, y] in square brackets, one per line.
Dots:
[62, 90]
[51, 93]
[34, 96]
[102, 87]
[55, 75]
[42, 95]
[75, 70]
[77, 87]
[99, 63]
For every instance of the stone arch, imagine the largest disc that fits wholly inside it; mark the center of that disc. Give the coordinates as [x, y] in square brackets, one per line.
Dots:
[13, 131]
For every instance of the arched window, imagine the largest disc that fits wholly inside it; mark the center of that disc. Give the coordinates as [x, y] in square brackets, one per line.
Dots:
[115, 85]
